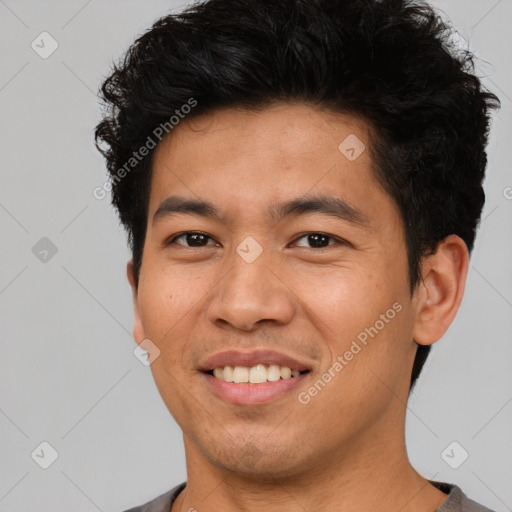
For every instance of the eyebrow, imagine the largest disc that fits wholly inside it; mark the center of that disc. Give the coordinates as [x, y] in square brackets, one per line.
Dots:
[327, 205]
[178, 204]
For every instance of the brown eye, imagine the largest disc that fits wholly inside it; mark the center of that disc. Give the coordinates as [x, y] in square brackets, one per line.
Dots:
[315, 240]
[191, 239]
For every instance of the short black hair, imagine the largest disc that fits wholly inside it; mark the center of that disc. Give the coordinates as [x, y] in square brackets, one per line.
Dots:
[392, 63]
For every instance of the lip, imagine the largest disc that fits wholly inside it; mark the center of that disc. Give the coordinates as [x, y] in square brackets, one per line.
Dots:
[252, 358]
[252, 394]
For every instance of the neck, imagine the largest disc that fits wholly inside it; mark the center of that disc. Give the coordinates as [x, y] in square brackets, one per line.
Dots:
[373, 473]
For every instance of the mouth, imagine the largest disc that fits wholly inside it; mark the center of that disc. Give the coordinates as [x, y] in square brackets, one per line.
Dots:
[253, 393]
[255, 375]
[253, 378]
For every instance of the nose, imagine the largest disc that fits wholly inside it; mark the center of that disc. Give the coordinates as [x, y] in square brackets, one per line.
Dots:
[251, 295]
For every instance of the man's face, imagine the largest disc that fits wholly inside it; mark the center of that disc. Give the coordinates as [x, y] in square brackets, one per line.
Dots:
[314, 284]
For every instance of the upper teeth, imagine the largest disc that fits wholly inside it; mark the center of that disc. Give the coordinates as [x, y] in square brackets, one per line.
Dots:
[254, 375]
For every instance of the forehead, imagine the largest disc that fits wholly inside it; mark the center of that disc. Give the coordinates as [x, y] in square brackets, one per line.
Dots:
[295, 132]
[248, 160]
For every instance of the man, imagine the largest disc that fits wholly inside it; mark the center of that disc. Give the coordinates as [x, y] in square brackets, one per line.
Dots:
[301, 183]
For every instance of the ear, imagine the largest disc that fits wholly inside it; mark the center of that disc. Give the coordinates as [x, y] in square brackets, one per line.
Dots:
[440, 292]
[138, 329]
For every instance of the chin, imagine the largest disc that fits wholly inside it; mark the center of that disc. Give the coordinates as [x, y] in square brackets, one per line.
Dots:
[257, 461]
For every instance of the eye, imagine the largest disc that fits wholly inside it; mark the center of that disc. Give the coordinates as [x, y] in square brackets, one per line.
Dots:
[316, 241]
[191, 239]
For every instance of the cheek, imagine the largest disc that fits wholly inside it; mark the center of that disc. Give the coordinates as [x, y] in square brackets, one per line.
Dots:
[165, 304]
[168, 302]
[167, 296]
[343, 301]
[362, 317]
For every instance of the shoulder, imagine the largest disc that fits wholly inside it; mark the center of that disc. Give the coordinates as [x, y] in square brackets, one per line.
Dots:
[456, 500]
[162, 503]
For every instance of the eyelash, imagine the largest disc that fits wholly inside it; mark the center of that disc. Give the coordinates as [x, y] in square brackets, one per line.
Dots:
[337, 240]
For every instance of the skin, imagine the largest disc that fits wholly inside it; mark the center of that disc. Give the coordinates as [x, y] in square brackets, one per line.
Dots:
[345, 449]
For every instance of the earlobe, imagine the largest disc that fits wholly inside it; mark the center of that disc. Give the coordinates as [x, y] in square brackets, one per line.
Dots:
[138, 329]
[440, 292]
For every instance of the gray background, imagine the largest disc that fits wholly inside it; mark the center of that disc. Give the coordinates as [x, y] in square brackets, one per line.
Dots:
[68, 375]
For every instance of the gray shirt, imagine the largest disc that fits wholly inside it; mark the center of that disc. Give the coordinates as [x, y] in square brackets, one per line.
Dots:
[456, 501]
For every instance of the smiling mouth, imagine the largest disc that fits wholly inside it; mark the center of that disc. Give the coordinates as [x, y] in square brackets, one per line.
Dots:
[257, 374]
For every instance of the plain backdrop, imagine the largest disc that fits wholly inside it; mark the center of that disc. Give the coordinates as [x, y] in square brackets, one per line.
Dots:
[68, 375]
